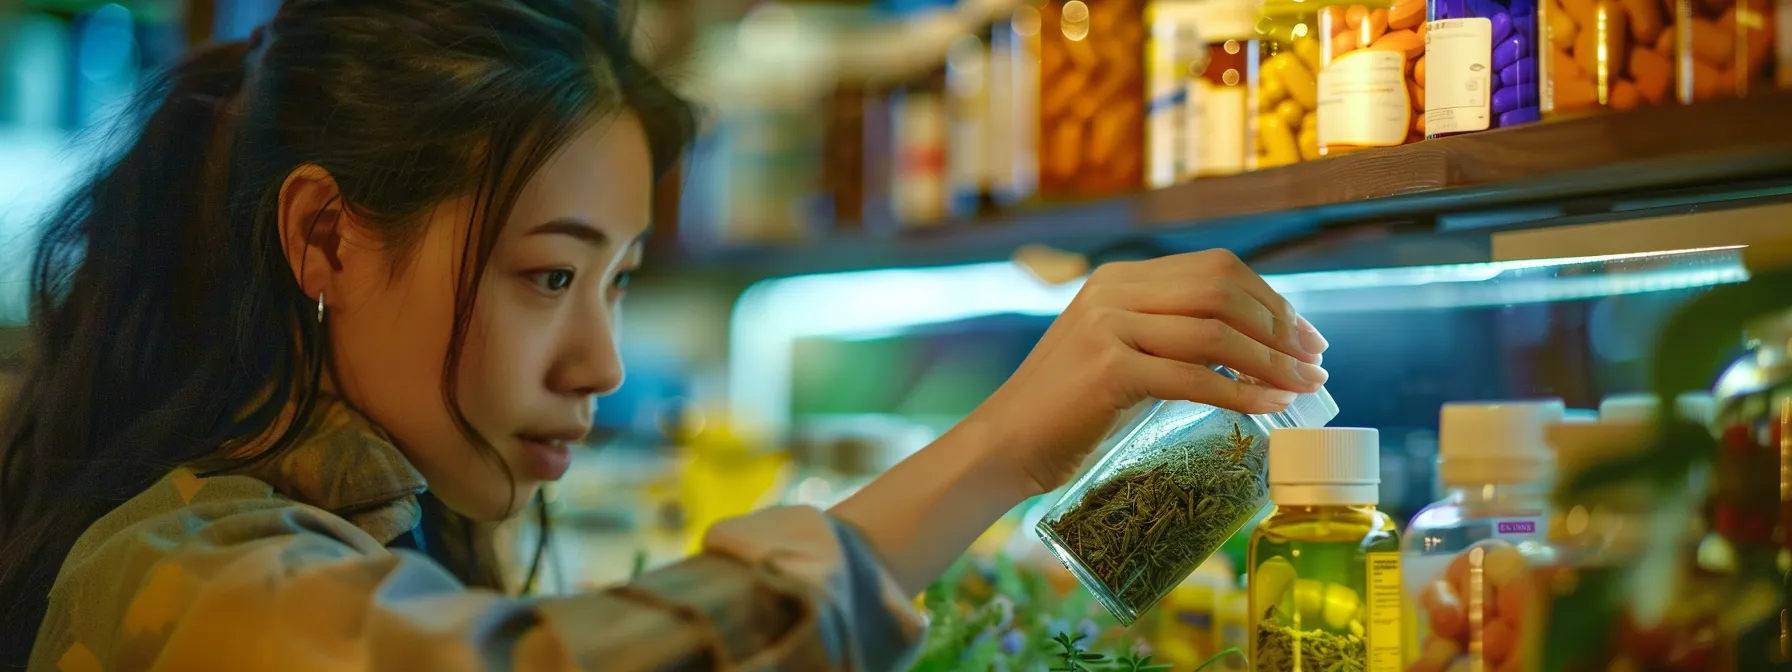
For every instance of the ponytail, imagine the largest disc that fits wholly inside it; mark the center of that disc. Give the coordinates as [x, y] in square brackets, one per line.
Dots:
[112, 398]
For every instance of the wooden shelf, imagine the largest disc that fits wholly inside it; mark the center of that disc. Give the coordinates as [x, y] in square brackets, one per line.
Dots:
[1538, 175]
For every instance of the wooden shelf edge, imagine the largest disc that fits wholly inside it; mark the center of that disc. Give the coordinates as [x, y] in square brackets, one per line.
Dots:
[1730, 142]
[1571, 156]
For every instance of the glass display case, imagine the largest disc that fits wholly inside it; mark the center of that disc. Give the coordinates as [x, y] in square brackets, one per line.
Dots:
[929, 344]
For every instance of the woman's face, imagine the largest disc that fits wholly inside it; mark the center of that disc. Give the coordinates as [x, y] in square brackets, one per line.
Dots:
[541, 344]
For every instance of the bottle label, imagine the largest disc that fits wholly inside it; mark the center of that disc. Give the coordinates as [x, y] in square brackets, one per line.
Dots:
[1783, 50]
[1163, 108]
[1384, 619]
[1363, 99]
[1458, 75]
[1516, 527]
[1220, 115]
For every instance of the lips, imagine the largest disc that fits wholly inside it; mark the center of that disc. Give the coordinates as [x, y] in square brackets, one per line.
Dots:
[545, 457]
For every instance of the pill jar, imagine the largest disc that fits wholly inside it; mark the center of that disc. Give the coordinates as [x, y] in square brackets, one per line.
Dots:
[1368, 64]
[1091, 98]
[1726, 49]
[1482, 54]
[1606, 54]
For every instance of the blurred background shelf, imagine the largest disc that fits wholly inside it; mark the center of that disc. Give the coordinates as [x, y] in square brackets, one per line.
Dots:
[1457, 192]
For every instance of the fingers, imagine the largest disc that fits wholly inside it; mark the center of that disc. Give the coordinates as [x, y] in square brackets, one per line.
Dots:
[1228, 264]
[1219, 299]
[1203, 342]
[1162, 378]
[1219, 264]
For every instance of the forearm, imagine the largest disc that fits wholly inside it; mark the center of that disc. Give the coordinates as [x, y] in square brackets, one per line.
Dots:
[924, 513]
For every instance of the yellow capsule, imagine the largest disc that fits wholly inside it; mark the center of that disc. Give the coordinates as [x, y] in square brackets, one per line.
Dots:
[1340, 607]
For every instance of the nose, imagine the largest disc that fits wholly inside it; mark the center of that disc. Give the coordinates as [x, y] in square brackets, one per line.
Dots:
[589, 364]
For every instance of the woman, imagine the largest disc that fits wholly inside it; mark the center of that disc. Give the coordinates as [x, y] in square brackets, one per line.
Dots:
[350, 292]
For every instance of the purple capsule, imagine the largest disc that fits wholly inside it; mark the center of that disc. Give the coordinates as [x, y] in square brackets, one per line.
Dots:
[1522, 7]
[1522, 73]
[1525, 24]
[1452, 9]
[1502, 26]
[1495, 82]
[1513, 97]
[1523, 115]
[1484, 9]
[1508, 51]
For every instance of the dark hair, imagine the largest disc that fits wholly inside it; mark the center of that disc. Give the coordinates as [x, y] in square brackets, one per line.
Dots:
[162, 302]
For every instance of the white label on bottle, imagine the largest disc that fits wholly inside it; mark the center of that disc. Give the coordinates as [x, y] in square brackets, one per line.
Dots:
[1783, 19]
[1222, 128]
[967, 77]
[1163, 107]
[1458, 75]
[919, 192]
[1384, 603]
[1363, 99]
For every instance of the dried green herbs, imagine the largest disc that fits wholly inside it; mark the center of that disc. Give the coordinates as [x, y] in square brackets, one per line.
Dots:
[1143, 528]
[1284, 649]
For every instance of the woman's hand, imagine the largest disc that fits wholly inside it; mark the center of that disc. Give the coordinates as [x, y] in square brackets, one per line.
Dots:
[1137, 330]
[1149, 329]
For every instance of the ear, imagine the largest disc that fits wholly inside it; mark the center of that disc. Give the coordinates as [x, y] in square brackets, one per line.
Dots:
[313, 226]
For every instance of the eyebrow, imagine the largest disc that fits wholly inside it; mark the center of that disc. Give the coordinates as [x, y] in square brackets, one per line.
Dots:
[577, 228]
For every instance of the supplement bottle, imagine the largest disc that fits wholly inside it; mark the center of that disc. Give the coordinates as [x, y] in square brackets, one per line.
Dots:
[1495, 466]
[1596, 55]
[1325, 565]
[1482, 56]
[1612, 593]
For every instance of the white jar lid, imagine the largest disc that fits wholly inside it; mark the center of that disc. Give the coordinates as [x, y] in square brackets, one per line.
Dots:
[1324, 466]
[1697, 407]
[1495, 442]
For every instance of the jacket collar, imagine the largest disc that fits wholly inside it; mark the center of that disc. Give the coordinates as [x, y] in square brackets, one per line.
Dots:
[348, 466]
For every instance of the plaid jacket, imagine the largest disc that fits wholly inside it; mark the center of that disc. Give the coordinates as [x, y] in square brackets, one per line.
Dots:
[284, 566]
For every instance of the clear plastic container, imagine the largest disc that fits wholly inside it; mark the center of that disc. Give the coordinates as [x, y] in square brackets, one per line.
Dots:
[1370, 51]
[1186, 479]
[1091, 98]
[1461, 551]
[1175, 52]
[1482, 54]
[1606, 54]
[1727, 50]
[1285, 86]
[1611, 596]
[1325, 566]
[1219, 99]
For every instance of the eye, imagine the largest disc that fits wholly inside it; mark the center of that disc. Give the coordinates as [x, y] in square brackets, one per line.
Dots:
[553, 281]
[622, 279]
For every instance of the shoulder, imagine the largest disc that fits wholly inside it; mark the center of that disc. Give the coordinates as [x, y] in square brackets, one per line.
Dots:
[186, 510]
[137, 563]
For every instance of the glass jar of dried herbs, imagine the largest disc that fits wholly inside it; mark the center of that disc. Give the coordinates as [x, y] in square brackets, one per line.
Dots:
[1166, 497]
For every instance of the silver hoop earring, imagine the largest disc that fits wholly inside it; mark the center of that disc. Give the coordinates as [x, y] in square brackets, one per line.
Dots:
[320, 307]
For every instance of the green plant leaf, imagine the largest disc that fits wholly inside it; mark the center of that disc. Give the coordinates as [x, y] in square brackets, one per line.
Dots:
[640, 565]
[1231, 651]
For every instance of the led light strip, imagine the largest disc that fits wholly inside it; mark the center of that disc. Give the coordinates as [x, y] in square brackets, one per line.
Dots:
[772, 314]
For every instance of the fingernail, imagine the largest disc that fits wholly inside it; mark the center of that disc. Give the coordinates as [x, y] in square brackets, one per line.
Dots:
[1311, 373]
[1310, 340]
[1278, 397]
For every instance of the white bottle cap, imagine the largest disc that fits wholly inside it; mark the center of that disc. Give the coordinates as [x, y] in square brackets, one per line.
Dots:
[1697, 407]
[1325, 466]
[1580, 445]
[1221, 20]
[1495, 442]
[1580, 415]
